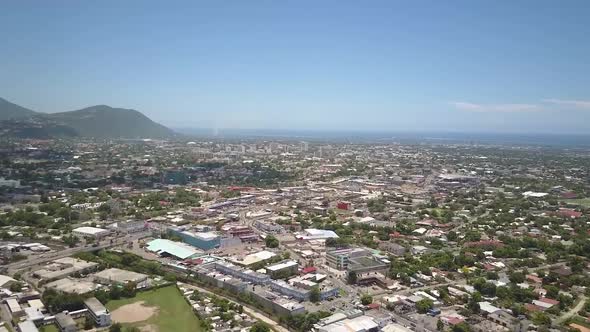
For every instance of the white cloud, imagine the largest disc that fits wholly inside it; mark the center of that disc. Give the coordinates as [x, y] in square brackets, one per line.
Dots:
[578, 104]
[506, 108]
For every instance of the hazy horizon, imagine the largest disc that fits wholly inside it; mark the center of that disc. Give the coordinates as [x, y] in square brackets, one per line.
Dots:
[500, 67]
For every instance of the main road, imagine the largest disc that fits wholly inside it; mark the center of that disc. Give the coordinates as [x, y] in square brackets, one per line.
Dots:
[44, 258]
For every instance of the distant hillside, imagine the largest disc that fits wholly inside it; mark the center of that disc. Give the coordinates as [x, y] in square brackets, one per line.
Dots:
[97, 121]
[105, 121]
[37, 127]
[9, 110]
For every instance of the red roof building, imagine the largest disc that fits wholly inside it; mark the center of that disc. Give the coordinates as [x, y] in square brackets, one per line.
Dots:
[373, 306]
[309, 269]
[569, 195]
[568, 213]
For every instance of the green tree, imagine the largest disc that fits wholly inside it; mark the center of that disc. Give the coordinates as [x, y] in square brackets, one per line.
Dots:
[552, 291]
[271, 242]
[16, 287]
[314, 294]
[516, 277]
[259, 327]
[541, 318]
[473, 305]
[366, 299]
[461, 327]
[129, 289]
[352, 277]
[440, 325]
[116, 327]
[71, 240]
[88, 324]
[424, 305]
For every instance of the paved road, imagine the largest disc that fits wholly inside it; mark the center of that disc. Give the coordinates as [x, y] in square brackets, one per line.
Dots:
[44, 258]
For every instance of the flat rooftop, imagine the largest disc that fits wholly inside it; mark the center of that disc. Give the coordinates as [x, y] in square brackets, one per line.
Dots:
[90, 230]
[95, 306]
[67, 285]
[120, 276]
[282, 265]
[176, 249]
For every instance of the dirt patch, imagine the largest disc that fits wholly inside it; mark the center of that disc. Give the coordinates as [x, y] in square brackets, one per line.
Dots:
[133, 313]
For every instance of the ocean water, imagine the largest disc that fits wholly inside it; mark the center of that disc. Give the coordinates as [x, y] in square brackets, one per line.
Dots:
[556, 140]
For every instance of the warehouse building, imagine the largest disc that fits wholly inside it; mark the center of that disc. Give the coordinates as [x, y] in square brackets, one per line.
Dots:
[203, 240]
[63, 267]
[91, 232]
[120, 277]
[169, 248]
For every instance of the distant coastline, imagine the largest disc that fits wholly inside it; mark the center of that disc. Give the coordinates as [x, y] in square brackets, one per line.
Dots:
[554, 140]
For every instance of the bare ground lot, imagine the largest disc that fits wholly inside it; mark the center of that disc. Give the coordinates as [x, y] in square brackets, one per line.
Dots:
[133, 313]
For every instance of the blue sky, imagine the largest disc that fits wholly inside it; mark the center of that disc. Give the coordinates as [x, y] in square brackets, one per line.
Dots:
[493, 66]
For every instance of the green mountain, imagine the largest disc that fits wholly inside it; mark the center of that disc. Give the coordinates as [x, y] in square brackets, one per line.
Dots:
[37, 127]
[96, 121]
[9, 110]
[105, 121]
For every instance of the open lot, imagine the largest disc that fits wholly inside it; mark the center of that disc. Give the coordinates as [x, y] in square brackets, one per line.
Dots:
[157, 310]
[585, 202]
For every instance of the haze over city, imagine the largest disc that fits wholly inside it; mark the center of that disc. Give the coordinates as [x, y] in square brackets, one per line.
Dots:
[295, 166]
[465, 66]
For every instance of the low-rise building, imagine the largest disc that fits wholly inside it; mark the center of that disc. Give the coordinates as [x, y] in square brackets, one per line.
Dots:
[14, 307]
[393, 248]
[98, 312]
[268, 226]
[283, 269]
[358, 324]
[27, 326]
[203, 240]
[64, 267]
[241, 273]
[177, 250]
[65, 323]
[129, 226]
[119, 277]
[316, 234]
[90, 232]
[340, 258]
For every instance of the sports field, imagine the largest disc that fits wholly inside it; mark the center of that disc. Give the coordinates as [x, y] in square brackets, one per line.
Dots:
[585, 202]
[159, 310]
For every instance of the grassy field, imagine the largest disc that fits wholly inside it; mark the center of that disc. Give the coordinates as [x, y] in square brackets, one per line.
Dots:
[49, 328]
[579, 201]
[174, 314]
[580, 320]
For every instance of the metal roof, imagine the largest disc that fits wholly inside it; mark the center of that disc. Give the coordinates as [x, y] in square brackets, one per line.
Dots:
[176, 249]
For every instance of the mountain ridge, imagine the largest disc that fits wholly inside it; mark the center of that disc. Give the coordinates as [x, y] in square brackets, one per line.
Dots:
[9, 110]
[99, 121]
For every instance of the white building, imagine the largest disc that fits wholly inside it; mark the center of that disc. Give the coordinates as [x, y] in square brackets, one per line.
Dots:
[98, 312]
[129, 226]
[316, 234]
[27, 326]
[93, 232]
